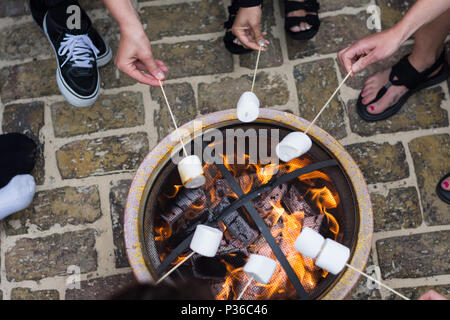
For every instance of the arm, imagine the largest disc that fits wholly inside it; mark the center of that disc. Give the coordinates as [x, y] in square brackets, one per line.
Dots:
[382, 45]
[134, 54]
[246, 26]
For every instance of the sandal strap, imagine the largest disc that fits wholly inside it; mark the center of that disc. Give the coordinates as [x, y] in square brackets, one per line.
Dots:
[311, 19]
[249, 3]
[408, 76]
[307, 5]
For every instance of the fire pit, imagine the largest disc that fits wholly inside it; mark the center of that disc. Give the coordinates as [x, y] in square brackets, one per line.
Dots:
[260, 206]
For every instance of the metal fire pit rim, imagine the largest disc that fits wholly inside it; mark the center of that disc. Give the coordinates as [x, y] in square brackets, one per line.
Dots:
[348, 279]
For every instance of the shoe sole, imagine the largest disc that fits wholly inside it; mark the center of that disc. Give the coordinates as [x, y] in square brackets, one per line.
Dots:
[72, 97]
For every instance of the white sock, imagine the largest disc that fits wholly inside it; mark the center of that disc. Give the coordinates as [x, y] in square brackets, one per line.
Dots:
[17, 194]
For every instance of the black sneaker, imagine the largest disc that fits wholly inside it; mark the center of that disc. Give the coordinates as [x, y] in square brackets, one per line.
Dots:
[104, 55]
[38, 9]
[77, 74]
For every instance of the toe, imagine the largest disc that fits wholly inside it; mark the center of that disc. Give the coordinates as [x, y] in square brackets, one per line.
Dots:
[446, 184]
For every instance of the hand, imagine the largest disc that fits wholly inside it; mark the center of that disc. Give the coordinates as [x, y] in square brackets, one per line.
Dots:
[432, 295]
[369, 50]
[247, 28]
[135, 58]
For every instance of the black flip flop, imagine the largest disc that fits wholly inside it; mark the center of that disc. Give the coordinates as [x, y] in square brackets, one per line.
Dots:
[407, 76]
[443, 194]
[311, 19]
[229, 38]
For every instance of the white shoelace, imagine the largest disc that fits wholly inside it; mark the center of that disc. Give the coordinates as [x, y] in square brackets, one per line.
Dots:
[78, 49]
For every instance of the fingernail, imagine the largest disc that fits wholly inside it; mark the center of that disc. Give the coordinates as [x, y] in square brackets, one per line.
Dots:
[446, 184]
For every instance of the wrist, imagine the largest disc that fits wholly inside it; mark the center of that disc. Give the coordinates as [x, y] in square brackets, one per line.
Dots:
[132, 29]
[404, 30]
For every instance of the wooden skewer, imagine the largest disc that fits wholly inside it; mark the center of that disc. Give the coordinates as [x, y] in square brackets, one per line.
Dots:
[245, 288]
[261, 44]
[175, 267]
[376, 281]
[329, 100]
[173, 119]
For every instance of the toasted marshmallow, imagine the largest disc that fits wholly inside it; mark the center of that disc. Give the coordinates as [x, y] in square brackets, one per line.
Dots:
[191, 172]
[206, 240]
[248, 107]
[309, 243]
[261, 268]
[333, 256]
[293, 145]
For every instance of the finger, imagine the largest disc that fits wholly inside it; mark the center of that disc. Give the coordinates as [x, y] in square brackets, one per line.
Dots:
[147, 79]
[363, 62]
[162, 65]
[245, 40]
[152, 66]
[346, 58]
[257, 33]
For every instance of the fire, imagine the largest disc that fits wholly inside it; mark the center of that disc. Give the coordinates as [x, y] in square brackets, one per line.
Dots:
[177, 189]
[284, 224]
[163, 232]
[324, 200]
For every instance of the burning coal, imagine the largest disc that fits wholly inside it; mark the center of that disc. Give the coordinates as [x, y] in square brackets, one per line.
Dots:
[308, 201]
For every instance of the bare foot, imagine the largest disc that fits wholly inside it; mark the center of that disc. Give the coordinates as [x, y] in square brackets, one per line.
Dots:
[300, 13]
[392, 95]
[446, 184]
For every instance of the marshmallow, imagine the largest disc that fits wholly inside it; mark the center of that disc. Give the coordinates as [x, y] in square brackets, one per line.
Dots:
[333, 257]
[309, 243]
[293, 145]
[191, 172]
[248, 107]
[206, 240]
[261, 268]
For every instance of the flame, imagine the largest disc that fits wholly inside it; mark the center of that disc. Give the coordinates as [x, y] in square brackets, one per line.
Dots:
[324, 200]
[266, 173]
[177, 189]
[163, 232]
[284, 226]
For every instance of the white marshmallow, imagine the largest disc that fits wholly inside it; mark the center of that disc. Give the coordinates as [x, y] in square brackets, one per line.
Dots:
[248, 107]
[261, 268]
[191, 172]
[206, 240]
[293, 145]
[309, 243]
[333, 256]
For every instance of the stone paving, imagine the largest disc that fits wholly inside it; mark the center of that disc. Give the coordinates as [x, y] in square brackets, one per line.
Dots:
[88, 156]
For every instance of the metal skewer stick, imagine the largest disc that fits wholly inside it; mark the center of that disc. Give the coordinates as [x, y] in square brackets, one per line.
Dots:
[173, 119]
[376, 281]
[175, 267]
[245, 288]
[329, 100]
